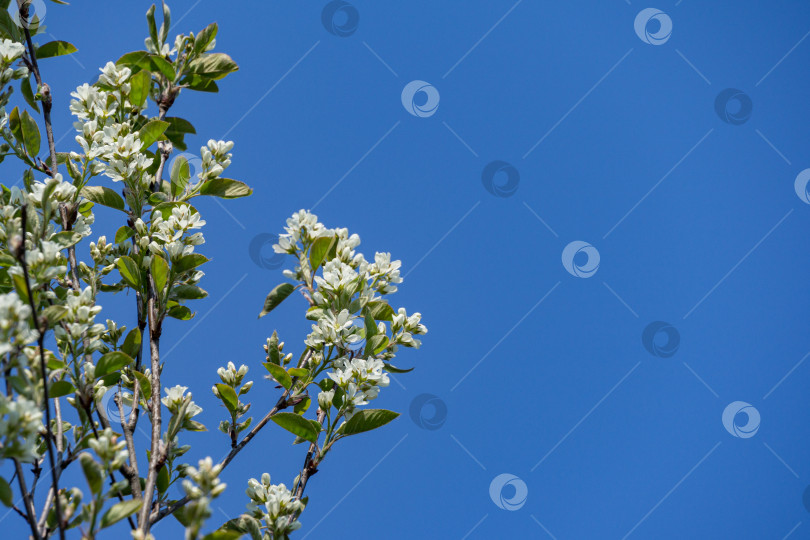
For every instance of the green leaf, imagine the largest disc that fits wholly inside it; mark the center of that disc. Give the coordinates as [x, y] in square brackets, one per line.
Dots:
[60, 388]
[189, 262]
[381, 311]
[54, 314]
[182, 313]
[228, 396]
[144, 383]
[301, 373]
[6, 495]
[223, 535]
[188, 292]
[272, 346]
[225, 188]
[151, 131]
[204, 38]
[370, 326]
[158, 63]
[366, 420]
[163, 479]
[179, 175]
[317, 253]
[112, 361]
[167, 23]
[393, 369]
[104, 196]
[244, 524]
[276, 296]
[160, 272]
[28, 93]
[124, 232]
[120, 511]
[30, 134]
[376, 344]
[55, 48]
[297, 425]
[129, 271]
[92, 472]
[279, 374]
[132, 343]
[140, 84]
[150, 20]
[138, 59]
[212, 65]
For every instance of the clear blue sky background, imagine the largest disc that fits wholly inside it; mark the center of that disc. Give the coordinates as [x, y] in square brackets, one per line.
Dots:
[608, 438]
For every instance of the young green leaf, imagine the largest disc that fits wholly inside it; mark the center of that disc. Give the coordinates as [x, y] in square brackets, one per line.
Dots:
[189, 262]
[179, 175]
[279, 374]
[228, 396]
[129, 271]
[112, 361]
[297, 425]
[151, 131]
[160, 273]
[30, 134]
[59, 389]
[225, 188]
[92, 472]
[6, 495]
[55, 48]
[104, 196]
[140, 84]
[366, 420]
[212, 65]
[276, 296]
[132, 343]
[320, 247]
[120, 511]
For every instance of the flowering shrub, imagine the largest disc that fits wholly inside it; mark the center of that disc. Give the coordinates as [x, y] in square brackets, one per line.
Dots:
[52, 411]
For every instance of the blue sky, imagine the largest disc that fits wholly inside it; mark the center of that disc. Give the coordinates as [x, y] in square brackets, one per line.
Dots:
[613, 139]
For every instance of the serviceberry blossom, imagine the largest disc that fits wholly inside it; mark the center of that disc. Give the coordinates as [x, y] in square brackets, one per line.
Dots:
[274, 504]
[15, 321]
[20, 425]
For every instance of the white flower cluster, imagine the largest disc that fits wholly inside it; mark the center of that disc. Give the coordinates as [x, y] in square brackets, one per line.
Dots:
[406, 326]
[333, 329]
[203, 481]
[172, 232]
[215, 158]
[20, 425]
[232, 376]
[80, 318]
[360, 378]
[45, 262]
[111, 452]
[10, 51]
[275, 504]
[176, 396]
[62, 192]
[103, 135]
[15, 323]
